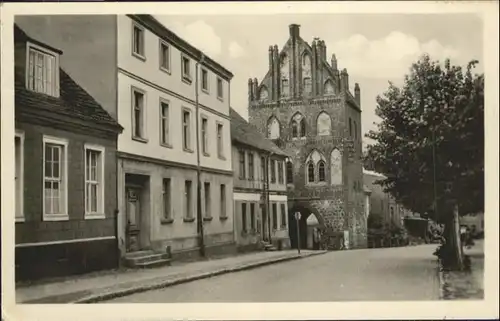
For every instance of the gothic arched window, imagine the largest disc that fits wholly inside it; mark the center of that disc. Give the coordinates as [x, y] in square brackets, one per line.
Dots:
[285, 75]
[273, 128]
[329, 87]
[310, 172]
[324, 124]
[307, 86]
[263, 94]
[289, 172]
[298, 125]
[321, 171]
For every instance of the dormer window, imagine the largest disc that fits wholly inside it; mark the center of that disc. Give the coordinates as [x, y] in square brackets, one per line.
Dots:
[42, 74]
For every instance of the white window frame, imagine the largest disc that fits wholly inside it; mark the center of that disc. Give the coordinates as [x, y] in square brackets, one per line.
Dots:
[204, 136]
[167, 143]
[100, 213]
[186, 76]
[143, 136]
[160, 56]
[64, 181]
[186, 135]
[141, 56]
[55, 85]
[166, 213]
[220, 95]
[220, 139]
[20, 217]
[205, 90]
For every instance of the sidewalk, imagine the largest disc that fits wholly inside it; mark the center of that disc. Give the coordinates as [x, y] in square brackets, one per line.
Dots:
[84, 289]
[466, 285]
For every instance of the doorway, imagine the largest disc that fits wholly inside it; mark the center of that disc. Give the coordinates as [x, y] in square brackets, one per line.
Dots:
[137, 218]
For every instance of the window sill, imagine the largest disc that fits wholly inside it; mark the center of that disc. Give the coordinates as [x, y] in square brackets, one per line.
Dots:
[188, 219]
[165, 221]
[20, 219]
[166, 145]
[188, 150]
[208, 218]
[221, 157]
[165, 70]
[206, 91]
[187, 80]
[95, 216]
[206, 154]
[223, 218]
[221, 99]
[60, 217]
[139, 56]
[140, 139]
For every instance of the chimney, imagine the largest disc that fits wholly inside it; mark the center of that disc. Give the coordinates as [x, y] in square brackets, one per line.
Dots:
[276, 73]
[251, 94]
[344, 80]
[323, 53]
[334, 62]
[294, 30]
[357, 94]
[270, 57]
[319, 49]
[255, 86]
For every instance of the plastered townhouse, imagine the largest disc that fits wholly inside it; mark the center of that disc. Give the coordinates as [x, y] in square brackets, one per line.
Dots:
[173, 104]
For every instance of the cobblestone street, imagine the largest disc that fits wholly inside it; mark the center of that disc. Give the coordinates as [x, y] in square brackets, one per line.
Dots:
[406, 273]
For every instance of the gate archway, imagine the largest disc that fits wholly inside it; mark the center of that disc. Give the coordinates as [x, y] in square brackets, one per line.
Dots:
[305, 231]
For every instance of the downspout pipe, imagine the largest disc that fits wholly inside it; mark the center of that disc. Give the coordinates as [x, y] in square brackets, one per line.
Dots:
[199, 216]
[268, 202]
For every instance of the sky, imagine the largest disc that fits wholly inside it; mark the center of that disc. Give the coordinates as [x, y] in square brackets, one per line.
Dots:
[375, 48]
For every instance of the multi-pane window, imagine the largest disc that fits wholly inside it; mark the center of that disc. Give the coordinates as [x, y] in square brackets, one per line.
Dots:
[281, 179]
[310, 172]
[204, 135]
[263, 168]
[54, 191]
[252, 216]
[167, 198]
[19, 175]
[307, 85]
[186, 68]
[42, 72]
[273, 171]
[138, 41]
[244, 217]
[204, 79]
[242, 164]
[220, 140]
[138, 114]
[321, 171]
[94, 189]
[188, 212]
[275, 216]
[283, 215]
[250, 166]
[222, 200]
[289, 172]
[208, 212]
[164, 56]
[220, 89]
[164, 122]
[186, 130]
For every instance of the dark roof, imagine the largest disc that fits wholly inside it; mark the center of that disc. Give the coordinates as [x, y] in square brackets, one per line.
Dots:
[73, 101]
[245, 133]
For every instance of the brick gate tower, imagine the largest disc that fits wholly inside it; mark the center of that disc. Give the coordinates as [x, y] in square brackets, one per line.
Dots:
[305, 106]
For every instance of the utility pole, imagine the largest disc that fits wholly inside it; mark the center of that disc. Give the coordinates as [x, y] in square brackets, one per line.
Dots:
[199, 216]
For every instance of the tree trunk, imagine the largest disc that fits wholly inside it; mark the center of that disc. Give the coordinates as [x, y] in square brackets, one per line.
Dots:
[453, 255]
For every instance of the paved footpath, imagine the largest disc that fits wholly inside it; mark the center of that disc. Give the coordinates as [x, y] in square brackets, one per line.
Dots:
[391, 274]
[108, 285]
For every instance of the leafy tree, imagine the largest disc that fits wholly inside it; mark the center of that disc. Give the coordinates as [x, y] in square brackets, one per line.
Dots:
[430, 143]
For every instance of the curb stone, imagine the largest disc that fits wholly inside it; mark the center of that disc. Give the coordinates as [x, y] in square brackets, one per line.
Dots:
[180, 280]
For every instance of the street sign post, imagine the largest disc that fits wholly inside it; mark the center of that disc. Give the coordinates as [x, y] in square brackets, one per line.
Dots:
[297, 219]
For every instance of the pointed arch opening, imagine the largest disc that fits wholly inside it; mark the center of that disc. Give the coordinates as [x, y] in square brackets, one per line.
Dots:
[263, 93]
[273, 128]
[329, 89]
[316, 167]
[324, 124]
[298, 125]
[306, 74]
[285, 75]
[310, 172]
[321, 171]
[289, 172]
